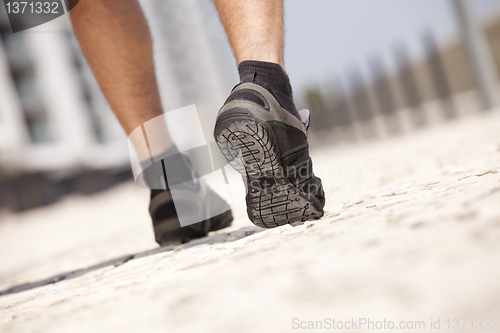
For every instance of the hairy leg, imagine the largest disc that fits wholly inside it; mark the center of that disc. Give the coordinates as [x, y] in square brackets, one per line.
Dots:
[116, 41]
[254, 28]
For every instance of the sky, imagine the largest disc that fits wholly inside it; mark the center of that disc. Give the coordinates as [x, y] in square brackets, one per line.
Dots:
[327, 38]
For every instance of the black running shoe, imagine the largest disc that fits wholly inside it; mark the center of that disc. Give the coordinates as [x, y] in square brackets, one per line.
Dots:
[194, 201]
[268, 146]
[167, 228]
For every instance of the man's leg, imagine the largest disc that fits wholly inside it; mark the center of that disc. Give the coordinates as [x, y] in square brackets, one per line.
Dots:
[116, 41]
[254, 29]
[259, 130]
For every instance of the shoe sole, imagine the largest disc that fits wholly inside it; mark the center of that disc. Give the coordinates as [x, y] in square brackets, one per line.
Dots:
[249, 145]
[181, 235]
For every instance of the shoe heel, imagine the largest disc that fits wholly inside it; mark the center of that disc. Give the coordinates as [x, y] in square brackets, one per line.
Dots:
[250, 146]
[246, 143]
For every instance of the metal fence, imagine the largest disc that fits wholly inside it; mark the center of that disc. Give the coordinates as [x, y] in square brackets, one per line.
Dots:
[449, 82]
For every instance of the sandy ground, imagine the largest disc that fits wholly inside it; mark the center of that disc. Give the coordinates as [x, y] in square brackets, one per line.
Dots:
[411, 232]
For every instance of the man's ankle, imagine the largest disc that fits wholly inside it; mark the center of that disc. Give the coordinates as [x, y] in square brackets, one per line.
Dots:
[172, 165]
[272, 77]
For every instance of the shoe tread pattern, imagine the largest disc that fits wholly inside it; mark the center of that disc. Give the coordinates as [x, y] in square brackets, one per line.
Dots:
[249, 146]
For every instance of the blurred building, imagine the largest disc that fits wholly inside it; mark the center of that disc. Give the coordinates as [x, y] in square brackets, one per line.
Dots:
[57, 133]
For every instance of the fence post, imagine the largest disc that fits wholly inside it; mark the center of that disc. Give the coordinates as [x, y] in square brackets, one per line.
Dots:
[342, 112]
[362, 104]
[438, 75]
[383, 95]
[479, 53]
[409, 86]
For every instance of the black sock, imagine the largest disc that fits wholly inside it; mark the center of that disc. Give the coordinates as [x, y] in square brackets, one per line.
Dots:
[272, 77]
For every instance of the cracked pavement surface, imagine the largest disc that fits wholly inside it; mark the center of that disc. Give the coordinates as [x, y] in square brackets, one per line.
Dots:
[411, 232]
